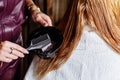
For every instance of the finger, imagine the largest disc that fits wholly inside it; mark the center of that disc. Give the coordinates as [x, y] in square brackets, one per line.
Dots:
[44, 19]
[15, 46]
[8, 55]
[5, 48]
[5, 59]
[11, 56]
[5, 51]
[47, 20]
[41, 20]
[17, 53]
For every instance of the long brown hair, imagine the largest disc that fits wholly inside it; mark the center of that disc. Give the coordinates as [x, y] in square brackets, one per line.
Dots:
[102, 15]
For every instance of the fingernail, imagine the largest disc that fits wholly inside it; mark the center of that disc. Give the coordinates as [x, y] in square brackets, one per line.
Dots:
[45, 24]
[26, 52]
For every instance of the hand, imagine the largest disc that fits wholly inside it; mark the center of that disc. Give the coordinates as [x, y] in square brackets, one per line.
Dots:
[10, 51]
[37, 15]
[42, 18]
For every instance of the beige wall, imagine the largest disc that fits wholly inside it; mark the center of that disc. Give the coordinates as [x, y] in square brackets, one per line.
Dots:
[56, 9]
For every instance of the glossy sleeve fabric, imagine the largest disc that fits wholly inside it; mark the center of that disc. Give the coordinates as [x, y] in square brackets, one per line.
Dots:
[11, 19]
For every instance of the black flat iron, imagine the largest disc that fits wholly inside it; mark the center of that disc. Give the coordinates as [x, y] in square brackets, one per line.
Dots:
[45, 41]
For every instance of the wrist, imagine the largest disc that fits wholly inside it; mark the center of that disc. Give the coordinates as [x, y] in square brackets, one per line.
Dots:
[34, 9]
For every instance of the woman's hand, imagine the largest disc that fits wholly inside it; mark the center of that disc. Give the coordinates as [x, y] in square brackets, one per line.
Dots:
[37, 15]
[42, 18]
[10, 51]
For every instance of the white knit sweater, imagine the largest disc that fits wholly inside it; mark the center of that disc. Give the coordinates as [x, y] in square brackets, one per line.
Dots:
[93, 59]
